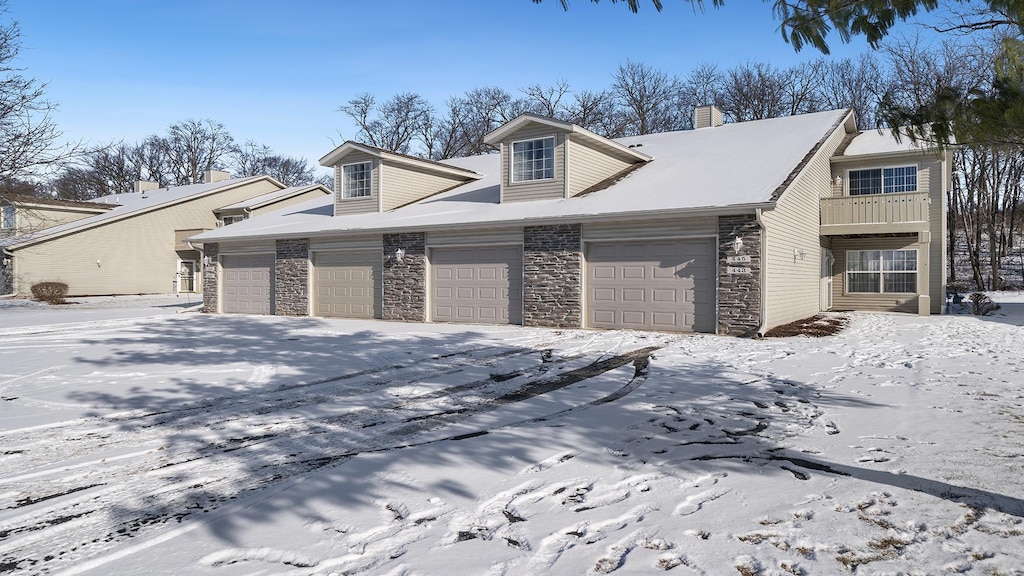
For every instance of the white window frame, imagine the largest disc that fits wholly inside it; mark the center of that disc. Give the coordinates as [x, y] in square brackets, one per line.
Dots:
[884, 179]
[228, 220]
[8, 219]
[512, 160]
[345, 192]
[880, 269]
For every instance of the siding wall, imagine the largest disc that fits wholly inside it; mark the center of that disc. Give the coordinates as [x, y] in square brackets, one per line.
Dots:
[931, 179]
[362, 204]
[542, 190]
[588, 166]
[403, 185]
[137, 254]
[700, 226]
[793, 282]
[316, 193]
[841, 300]
[475, 237]
[33, 219]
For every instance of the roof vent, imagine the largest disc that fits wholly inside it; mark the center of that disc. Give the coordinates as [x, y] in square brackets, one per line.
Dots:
[707, 116]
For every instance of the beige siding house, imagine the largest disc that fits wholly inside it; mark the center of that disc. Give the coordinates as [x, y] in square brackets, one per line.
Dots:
[138, 243]
[727, 228]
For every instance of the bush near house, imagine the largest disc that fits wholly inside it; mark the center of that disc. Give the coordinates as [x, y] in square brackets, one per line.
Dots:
[980, 304]
[50, 292]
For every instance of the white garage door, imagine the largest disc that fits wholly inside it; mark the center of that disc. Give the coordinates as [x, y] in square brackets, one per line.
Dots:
[248, 283]
[347, 284]
[477, 284]
[652, 285]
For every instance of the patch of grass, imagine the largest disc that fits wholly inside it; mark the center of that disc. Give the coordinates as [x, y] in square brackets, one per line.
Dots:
[814, 327]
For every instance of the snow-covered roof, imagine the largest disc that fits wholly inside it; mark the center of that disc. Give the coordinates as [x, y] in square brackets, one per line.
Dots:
[128, 204]
[735, 165]
[271, 197]
[882, 141]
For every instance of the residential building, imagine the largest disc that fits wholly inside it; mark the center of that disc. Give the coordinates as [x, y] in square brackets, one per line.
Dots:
[729, 229]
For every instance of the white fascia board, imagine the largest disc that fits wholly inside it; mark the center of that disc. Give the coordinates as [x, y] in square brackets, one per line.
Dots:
[332, 157]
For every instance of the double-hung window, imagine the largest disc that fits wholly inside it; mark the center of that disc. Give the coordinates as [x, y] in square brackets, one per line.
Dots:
[533, 159]
[883, 180]
[7, 218]
[881, 271]
[355, 179]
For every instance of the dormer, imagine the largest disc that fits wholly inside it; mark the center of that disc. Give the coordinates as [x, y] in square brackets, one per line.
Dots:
[369, 179]
[543, 158]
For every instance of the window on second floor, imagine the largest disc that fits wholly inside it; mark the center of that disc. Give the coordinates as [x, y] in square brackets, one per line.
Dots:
[883, 180]
[881, 271]
[7, 217]
[232, 219]
[533, 159]
[355, 179]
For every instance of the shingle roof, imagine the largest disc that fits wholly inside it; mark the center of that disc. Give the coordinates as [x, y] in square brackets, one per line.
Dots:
[731, 166]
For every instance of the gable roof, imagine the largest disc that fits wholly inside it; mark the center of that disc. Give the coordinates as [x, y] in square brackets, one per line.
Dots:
[336, 155]
[131, 204]
[729, 169]
[272, 197]
[495, 136]
[880, 142]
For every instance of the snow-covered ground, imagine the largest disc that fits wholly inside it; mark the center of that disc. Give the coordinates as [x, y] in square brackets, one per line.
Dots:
[229, 445]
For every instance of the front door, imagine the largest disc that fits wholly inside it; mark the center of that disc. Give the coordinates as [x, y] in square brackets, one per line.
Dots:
[187, 276]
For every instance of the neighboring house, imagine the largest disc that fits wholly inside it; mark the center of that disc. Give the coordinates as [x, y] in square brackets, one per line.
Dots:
[21, 214]
[729, 229]
[136, 244]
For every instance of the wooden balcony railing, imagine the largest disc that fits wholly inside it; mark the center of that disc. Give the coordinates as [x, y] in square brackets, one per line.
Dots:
[874, 213]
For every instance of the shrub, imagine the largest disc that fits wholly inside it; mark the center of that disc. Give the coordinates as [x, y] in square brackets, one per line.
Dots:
[50, 292]
[980, 304]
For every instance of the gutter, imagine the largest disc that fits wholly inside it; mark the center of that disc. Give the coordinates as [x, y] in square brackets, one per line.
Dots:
[655, 214]
[763, 327]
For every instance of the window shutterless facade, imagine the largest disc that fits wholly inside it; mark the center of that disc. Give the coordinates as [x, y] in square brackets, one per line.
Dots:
[533, 159]
[883, 180]
[355, 179]
[881, 271]
[233, 219]
[7, 217]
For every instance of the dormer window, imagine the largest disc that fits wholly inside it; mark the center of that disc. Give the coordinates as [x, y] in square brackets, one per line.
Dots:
[883, 180]
[533, 159]
[355, 179]
[232, 219]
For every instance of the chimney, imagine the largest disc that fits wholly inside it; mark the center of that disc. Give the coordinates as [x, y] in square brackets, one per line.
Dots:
[144, 185]
[707, 116]
[215, 176]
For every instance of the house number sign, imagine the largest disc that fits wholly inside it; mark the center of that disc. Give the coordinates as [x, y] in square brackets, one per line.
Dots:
[737, 270]
[737, 259]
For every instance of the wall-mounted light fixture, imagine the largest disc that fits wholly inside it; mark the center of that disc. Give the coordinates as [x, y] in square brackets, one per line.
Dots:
[799, 253]
[737, 244]
[99, 263]
[7, 261]
[399, 256]
[839, 180]
[207, 261]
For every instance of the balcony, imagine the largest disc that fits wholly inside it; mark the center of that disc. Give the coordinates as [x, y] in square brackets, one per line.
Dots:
[875, 214]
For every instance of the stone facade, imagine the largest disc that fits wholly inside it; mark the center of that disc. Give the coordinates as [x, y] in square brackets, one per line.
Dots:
[210, 251]
[553, 276]
[739, 275]
[404, 283]
[291, 278]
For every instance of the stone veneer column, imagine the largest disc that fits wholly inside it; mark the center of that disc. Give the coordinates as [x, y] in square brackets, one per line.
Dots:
[291, 278]
[739, 292]
[405, 295]
[553, 276]
[210, 276]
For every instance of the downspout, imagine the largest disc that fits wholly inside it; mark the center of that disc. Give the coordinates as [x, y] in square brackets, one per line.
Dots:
[5, 254]
[763, 327]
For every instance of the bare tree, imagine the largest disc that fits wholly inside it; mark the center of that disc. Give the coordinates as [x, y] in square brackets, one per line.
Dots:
[701, 87]
[29, 138]
[597, 112]
[195, 146]
[393, 124]
[547, 100]
[854, 83]
[650, 98]
[252, 159]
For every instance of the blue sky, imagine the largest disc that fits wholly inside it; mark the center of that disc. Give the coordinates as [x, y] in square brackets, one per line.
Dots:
[276, 71]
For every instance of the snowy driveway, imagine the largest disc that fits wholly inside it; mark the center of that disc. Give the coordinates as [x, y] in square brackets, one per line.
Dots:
[251, 445]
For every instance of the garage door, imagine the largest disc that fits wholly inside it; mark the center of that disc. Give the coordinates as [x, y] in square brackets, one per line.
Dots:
[248, 283]
[652, 285]
[347, 284]
[477, 284]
